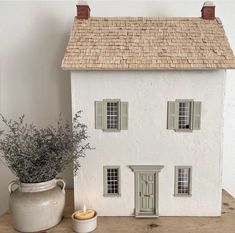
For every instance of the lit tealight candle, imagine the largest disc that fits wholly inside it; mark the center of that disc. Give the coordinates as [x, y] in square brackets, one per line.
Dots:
[84, 214]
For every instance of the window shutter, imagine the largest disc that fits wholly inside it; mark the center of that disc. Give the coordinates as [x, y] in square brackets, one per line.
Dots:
[98, 114]
[124, 115]
[105, 102]
[171, 115]
[196, 115]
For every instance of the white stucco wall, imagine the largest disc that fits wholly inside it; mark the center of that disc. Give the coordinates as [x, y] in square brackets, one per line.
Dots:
[148, 142]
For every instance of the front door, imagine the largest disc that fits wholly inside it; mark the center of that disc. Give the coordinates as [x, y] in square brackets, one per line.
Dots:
[146, 189]
[147, 193]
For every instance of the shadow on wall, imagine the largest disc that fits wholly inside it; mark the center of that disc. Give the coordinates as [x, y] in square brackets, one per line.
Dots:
[32, 81]
[41, 88]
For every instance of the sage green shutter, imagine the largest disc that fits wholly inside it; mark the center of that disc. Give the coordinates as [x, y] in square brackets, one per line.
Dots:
[105, 102]
[196, 115]
[124, 115]
[99, 114]
[171, 115]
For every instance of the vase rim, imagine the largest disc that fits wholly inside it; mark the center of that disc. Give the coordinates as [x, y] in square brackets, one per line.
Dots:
[39, 183]
[37, 187]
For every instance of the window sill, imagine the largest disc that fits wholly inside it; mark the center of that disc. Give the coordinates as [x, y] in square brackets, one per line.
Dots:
[182, 195]
[183, 130]
[111, 130]
[110, 195]
[147, 216]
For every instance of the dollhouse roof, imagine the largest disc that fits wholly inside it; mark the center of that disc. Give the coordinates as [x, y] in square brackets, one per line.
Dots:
[148, 43]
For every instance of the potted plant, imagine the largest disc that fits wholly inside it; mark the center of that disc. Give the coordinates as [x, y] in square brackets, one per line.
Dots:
[36, 156]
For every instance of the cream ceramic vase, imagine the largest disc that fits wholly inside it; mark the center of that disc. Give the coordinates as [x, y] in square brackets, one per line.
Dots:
[36, 206]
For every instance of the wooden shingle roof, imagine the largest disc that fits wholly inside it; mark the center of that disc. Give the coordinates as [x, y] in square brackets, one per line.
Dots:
[148, 43]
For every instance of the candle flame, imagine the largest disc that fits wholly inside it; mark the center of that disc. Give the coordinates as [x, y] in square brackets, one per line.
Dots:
[84, 208]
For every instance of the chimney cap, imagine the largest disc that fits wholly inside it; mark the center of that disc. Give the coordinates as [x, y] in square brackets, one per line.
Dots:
[82, 3]
[208, 3]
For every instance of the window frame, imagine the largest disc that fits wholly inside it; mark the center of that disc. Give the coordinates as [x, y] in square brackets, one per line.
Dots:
[189, 194]
[105, 119]
[177, 102]
[105, 185]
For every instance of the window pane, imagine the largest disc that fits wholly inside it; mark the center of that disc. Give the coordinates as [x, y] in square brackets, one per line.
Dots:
[184, 115]
[112, 115]
[183, 182]
[112, 181]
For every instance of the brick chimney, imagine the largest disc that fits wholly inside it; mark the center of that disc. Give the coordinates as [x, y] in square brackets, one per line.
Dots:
[83, 10]
[208, 10]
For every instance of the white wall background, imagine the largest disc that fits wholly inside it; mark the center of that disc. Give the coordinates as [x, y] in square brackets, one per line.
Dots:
[33, 37]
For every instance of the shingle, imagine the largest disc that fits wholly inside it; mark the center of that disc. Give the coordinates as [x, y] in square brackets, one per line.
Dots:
[148, 43]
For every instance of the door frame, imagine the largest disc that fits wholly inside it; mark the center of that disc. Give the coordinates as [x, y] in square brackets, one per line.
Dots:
[138, 169]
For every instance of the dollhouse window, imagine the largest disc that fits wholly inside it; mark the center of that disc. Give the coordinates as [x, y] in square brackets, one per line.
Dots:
[111, 115]
[112, 181]
[183, 180]
[185, 110]
[184, 115]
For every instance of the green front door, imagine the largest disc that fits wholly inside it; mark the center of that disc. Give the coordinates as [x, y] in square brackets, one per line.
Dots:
[147, 193]
[146, 190]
